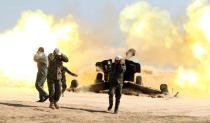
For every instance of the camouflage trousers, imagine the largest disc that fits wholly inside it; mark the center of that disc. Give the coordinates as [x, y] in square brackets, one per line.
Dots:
[54, 87]
[115, 89]
[64, 85]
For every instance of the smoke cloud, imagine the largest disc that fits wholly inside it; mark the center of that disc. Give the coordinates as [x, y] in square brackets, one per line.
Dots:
[170, 53]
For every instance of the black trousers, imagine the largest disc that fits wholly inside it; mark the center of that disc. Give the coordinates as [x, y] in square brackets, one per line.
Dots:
[115, 89]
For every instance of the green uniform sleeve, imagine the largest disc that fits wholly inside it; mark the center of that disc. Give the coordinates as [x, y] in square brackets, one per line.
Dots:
[64, 58]
[68, 71]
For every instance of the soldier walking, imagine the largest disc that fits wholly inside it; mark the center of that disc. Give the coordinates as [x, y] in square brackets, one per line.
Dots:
[63, 80]
[42, 64]
[116, 82]
[54, 76]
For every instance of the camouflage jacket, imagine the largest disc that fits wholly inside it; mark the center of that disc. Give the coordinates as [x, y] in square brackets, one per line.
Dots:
[55, 66]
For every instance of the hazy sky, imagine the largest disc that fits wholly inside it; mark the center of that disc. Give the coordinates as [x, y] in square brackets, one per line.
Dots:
[88, 12]
[94, 16]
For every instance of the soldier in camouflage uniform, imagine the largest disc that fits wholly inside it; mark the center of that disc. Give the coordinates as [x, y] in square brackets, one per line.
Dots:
[54, 76]
[42, 64]
[116, 82]
[63, 80]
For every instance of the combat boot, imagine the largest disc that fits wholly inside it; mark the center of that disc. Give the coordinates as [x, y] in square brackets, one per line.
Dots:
[115, 110]
[47, 97]
[116, 107]
[51, 105]
[56, 105]
[110, 104]
[109, 108]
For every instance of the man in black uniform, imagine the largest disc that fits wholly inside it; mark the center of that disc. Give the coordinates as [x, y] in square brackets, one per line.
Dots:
[63, 80]
[54, 77]
[116, 82]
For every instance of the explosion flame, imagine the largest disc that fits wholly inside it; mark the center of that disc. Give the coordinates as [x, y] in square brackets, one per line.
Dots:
[34, 29]
[159, 41]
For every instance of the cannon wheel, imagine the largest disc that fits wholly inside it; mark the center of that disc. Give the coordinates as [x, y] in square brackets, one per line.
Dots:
[138, 80]
[164, 88]
[99, 78]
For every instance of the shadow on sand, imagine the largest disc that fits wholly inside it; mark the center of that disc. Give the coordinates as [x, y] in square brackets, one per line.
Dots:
[15, 104]
[87, 110]
[78, 109]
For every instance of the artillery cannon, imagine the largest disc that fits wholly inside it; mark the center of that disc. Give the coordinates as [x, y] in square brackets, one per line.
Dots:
[131, 83]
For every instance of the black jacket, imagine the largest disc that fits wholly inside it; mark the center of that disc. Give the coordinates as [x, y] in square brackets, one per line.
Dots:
[117, 73]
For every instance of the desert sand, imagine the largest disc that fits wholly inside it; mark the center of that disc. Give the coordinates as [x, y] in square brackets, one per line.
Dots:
[19, 106]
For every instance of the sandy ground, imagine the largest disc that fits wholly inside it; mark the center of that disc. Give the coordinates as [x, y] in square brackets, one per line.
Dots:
[84, 107]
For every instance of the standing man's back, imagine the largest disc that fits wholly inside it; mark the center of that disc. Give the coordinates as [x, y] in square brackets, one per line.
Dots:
[42, 64]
